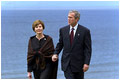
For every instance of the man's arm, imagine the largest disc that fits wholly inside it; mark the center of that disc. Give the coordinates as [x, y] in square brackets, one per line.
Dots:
[59, 44]
[58, 47]
[87, 50]
[87, 47]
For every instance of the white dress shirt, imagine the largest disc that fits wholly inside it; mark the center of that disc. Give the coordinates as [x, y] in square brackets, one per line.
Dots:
[75, 28]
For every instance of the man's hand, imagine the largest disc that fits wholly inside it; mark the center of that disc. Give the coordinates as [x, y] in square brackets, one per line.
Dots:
[85, 67]
[54, 57]
[29, 75]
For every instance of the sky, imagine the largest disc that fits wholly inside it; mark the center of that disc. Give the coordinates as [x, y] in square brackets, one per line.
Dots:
[43, 5]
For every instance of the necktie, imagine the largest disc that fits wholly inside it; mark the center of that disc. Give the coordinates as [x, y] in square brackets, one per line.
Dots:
[71, 36]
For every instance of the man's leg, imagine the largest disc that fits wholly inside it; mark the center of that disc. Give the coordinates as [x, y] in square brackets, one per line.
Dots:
[68, 73]
[79, 75]
[73, 75]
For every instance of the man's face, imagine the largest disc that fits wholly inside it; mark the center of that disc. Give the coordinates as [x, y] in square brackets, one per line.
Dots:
[71, 19]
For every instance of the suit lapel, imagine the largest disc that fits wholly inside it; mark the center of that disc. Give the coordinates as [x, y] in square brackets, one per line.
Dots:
[68, 35]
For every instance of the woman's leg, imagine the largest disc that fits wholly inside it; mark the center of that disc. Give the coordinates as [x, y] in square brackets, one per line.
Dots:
[36, 74]
[46, 73]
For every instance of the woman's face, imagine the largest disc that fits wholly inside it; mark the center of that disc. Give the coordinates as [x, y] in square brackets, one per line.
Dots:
[39, 29]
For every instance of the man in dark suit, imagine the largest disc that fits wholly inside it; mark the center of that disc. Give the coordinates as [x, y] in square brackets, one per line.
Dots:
[75, 40]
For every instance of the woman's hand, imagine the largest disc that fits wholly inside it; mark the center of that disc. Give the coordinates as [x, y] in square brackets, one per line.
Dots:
[29, 75]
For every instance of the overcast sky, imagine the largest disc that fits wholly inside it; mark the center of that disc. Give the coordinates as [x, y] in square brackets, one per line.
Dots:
[38, 5]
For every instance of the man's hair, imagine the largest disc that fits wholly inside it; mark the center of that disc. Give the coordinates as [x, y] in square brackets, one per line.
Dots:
[77, 14]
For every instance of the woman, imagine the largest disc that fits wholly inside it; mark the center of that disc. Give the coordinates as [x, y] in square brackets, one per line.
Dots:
[40, 51]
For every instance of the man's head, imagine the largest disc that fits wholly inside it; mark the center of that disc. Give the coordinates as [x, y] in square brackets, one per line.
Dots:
[73, 17]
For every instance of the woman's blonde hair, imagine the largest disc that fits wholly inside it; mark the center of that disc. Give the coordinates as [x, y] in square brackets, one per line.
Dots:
[37, 22]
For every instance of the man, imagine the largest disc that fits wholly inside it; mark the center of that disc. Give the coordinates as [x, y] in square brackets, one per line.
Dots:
[75, 40]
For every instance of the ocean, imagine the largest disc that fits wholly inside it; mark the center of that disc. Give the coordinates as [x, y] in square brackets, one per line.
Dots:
[16, 29]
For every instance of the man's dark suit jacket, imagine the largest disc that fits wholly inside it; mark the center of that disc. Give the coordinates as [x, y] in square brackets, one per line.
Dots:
[77, 54]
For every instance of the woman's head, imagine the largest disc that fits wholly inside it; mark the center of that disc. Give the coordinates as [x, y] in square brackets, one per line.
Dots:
[38, 26]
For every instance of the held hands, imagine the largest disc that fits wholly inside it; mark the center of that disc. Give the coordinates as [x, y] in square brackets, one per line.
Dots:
[54, 57]
[29, 75]
[85, 67]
